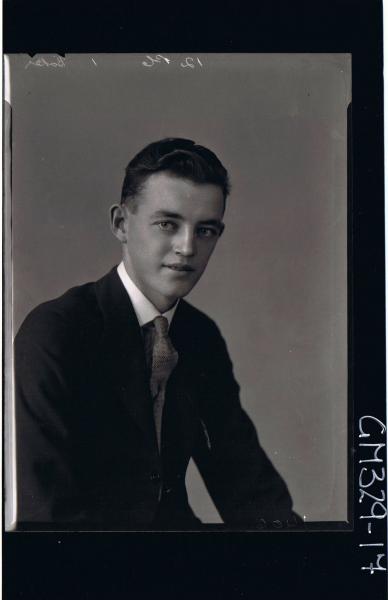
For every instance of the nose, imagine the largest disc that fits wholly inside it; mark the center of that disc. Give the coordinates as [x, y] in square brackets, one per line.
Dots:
[185, 244]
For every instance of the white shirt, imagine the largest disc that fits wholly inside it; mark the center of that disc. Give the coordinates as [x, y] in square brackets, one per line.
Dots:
[144, 309]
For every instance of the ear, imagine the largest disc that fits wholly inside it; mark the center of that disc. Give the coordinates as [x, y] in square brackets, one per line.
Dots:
[118, 222]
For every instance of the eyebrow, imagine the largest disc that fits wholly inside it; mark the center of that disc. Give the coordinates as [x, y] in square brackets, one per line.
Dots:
[172, 215]
[166, 213]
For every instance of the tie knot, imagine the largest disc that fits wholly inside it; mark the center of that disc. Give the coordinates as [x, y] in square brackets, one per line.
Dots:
[161, 326]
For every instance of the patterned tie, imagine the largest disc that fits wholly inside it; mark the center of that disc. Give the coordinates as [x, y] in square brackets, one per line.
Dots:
[164, 360]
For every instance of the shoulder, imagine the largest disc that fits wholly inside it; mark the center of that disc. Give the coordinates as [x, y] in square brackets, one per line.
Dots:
[200, 338]
[199, 331]
[66, 319]
[194, 319]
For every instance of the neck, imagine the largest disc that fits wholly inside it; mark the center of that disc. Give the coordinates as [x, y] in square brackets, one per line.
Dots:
[164, 305]
[160, 302]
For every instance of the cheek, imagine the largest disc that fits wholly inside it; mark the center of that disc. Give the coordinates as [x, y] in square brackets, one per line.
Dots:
[205, 251]
[153, 250]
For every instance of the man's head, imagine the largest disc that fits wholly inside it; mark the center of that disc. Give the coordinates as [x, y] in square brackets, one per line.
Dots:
[170, 217]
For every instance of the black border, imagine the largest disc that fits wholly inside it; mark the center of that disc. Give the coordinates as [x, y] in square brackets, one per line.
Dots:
[232, 564]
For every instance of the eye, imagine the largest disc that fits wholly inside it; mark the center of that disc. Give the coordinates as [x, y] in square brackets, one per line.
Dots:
[207, 232]
[167, 225]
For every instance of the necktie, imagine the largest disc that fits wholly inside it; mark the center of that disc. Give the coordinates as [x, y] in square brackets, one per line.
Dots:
[164, 360]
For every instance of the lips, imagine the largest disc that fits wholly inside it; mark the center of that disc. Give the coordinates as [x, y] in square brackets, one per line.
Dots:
[181, 267]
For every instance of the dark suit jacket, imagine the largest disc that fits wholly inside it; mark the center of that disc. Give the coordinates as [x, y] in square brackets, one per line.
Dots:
[87, 455]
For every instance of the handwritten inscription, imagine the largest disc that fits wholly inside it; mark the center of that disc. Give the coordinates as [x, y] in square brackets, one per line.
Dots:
[372, 494]
[59, 62]
[277, 524]
[189, 62]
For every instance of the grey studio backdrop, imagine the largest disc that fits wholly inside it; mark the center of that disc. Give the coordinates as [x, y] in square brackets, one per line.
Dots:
[277, 283]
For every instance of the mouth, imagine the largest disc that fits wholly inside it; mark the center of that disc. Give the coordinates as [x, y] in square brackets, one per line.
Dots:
[180, 267]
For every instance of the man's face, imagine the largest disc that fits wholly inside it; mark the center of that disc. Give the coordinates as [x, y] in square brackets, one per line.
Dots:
[170, 236]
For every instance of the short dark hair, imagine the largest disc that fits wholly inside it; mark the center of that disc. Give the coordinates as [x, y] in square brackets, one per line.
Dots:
[183, 158]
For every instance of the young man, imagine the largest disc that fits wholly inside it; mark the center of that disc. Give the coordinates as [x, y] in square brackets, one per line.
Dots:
[121, 381]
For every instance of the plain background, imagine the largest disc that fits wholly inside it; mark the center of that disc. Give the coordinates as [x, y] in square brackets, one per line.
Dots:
[277, 282]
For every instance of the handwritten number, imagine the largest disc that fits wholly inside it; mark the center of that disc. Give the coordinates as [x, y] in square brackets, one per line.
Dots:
[364, 493]
[374, 477]
[377, 567]
[373, 515]
[145, 64]
[188, 64]
[189, 61]
[42, 62]
[369, 476]
[160, 57]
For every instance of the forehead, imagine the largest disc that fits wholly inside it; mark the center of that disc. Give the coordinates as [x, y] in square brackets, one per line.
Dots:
[166, 192]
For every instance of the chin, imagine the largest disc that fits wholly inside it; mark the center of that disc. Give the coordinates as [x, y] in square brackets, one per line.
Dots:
[179, 291]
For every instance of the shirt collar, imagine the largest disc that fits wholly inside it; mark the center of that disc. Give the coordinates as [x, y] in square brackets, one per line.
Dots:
[144, 309]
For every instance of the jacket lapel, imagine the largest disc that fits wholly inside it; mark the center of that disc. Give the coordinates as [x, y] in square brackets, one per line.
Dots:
[123, 352]
[183, 379]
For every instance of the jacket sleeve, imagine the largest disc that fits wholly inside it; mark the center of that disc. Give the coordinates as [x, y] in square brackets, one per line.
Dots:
[45, 383]
[243, 483]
